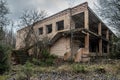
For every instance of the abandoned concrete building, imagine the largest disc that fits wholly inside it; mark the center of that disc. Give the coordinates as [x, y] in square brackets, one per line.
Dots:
[75, 31]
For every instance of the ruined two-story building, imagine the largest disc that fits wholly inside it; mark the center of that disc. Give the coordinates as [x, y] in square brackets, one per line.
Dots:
[76, 31]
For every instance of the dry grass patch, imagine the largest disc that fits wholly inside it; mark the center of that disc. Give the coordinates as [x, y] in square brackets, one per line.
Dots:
[66, 67]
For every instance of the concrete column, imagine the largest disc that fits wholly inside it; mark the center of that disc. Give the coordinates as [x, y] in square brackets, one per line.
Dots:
[54, 28]
[86, 19]
[99, 29]
[44, 30]
[107, 34]
[100, 47]
[86, 26]
[107, 37]
[100, 40]
[112, 47]
[108, 48]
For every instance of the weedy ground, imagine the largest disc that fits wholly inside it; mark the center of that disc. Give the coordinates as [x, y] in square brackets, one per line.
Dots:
[102, 69]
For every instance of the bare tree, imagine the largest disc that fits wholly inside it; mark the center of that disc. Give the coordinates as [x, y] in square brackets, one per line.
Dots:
[3, 12]
[30, 37]
[109, 10]
[3, 19]
[29, 17]
[10, 36]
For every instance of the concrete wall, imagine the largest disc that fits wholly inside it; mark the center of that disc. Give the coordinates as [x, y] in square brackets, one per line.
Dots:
[20, 38]
[60, 47]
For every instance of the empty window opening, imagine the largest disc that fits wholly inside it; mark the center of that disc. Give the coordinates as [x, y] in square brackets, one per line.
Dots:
[78, 25]
[93, 45]
[60, 25]
[78, 20]
[104, 47]
[40, 31]
[49, 28]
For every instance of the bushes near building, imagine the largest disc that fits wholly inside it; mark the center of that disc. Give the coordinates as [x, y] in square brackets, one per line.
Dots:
[20, 56]
[46, 59]
[78, 68]
[4, 58]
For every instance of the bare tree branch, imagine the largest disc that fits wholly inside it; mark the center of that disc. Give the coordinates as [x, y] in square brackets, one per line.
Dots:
[29, 36]
[109, 10]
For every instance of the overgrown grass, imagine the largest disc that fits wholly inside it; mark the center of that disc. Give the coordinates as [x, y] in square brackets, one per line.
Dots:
[3, 77]
[77, 68]
[46, 59]
[29, 69]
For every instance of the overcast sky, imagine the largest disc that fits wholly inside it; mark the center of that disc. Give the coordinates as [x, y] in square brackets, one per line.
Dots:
[50, 6]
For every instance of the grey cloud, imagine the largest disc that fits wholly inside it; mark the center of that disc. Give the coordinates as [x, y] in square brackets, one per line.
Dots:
[51, 6]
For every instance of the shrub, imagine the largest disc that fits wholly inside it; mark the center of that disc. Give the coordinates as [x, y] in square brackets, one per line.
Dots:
[21, 76]
[78, 68]
[46, 59]
[4, 55]
[49, 61]
[115, 51]
[36, 61]
[100, 70]
[45, 54]
[21, 56]
[27, 70]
